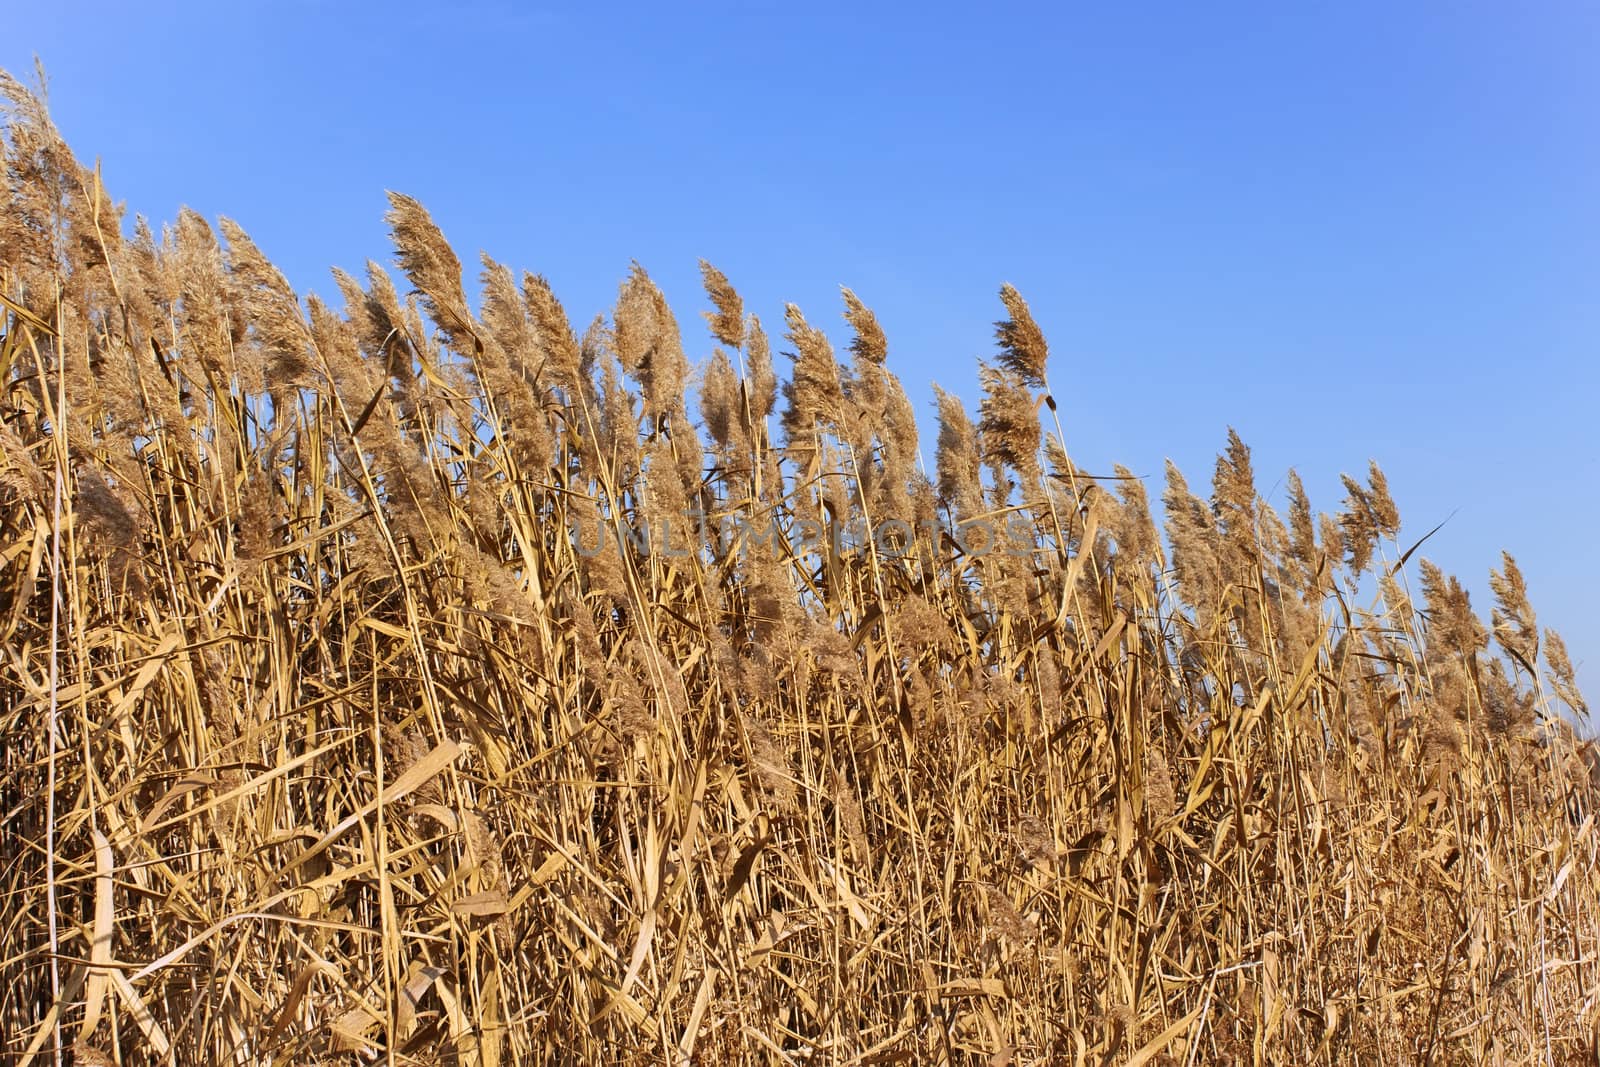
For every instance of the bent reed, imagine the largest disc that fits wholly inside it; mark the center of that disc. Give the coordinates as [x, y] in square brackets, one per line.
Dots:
[326, 743]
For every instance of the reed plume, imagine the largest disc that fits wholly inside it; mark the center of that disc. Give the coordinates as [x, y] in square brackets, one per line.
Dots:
[431, 265]
[1023, 351]
[727, 321]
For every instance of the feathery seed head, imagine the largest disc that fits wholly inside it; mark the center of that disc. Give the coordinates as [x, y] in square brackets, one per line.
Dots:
[1023, 351]
[727, 321]
[431, 264]
[869, 345]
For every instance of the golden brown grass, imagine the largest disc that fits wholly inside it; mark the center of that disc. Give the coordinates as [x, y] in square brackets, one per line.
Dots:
[326, 742]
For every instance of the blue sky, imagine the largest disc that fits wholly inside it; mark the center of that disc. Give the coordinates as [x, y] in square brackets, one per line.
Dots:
[1349, 230]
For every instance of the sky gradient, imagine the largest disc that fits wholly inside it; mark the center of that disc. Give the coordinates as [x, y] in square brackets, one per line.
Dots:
[1350, 231]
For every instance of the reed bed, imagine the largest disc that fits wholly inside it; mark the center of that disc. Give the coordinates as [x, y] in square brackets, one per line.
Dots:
[419, 681]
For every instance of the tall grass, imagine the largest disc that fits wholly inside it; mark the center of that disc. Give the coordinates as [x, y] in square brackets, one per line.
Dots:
[335, 730]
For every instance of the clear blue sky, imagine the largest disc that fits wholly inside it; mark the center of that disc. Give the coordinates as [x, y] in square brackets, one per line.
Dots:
[1350, 230]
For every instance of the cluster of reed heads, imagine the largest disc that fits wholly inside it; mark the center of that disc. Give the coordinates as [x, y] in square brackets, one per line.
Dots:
[325, 741]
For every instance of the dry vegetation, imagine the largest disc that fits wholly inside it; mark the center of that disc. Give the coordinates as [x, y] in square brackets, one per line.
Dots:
[326, 742]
